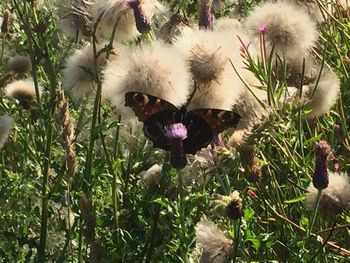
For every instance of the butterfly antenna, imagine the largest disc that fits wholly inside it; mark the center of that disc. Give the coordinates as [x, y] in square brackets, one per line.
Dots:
[192, 94]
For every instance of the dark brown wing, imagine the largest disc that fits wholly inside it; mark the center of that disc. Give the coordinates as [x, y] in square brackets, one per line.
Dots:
[199, 133]
[145, 105]
[218, 120]
[154, 128]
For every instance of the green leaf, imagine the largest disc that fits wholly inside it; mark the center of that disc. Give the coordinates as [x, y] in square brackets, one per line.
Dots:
[295, 200]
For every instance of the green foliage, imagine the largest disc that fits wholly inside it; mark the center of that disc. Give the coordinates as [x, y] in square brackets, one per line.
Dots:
[134, 222]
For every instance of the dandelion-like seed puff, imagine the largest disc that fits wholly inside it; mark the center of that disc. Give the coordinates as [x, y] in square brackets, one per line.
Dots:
[334, 199]
[23, 91]
[129, 16]
[216, 246]
[79, 74]
[287, 28]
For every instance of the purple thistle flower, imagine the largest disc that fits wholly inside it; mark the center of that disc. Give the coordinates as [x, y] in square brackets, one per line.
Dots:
[218, 141]
[262, 28]
[176, 133]
[322, 153]
[143, 25]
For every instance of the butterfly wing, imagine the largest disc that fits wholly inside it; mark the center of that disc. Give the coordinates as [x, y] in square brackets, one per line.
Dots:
[203, 124]
[154, 128]
[218, 120]
[145, 106]
[199, 133]
[155, 113]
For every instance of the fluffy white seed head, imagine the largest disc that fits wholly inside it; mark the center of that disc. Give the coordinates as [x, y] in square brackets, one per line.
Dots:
[119, 11]
[251, 111]
[155, 69]
[288, 28]
[77, 19]
[216, 246]
[5, 128]
[151, 177]
[323, 95]
[78, 76]
[227, 23]
[208, 56]
[334, 199]
[175, 27]
[23, 91]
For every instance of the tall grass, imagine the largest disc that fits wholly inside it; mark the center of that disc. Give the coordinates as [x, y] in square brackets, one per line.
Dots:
[84, 200]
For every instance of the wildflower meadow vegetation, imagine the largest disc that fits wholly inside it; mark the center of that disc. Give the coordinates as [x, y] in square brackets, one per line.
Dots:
[174, 131]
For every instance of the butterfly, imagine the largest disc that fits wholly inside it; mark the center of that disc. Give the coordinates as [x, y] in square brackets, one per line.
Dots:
[163, 122]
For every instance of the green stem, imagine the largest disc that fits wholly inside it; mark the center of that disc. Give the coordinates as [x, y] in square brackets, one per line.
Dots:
[314, 215]
[150, 249]
[182, 213]
[236, 240]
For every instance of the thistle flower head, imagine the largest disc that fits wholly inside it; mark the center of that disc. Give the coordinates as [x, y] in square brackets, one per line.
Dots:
[77, 20]
[129, 16]
[143, 23]
[208, 55]
[216, 246]
[173, 28]
[262, 28]
[230, 206]
[334, 199]
[23, 91]
[322, 93]
[19, 64]
[322, 153]
[78, 76]
[227, 23]
[5, 128]
[286, 28]
[176, 131]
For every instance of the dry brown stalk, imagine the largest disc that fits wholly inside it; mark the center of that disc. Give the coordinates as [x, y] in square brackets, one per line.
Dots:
[67, 134]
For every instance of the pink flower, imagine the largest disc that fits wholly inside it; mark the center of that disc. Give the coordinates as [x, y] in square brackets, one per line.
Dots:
[251, 193]
[262, 28]
[336, 167]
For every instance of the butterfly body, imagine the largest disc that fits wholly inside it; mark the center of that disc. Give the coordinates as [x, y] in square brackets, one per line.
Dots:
[159, 117]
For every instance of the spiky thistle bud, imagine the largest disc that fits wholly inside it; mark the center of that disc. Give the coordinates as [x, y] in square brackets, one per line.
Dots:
[19, 64]
[322, 153]
[230, 206]
[5, 21]
[206, 17]
[143, 24]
